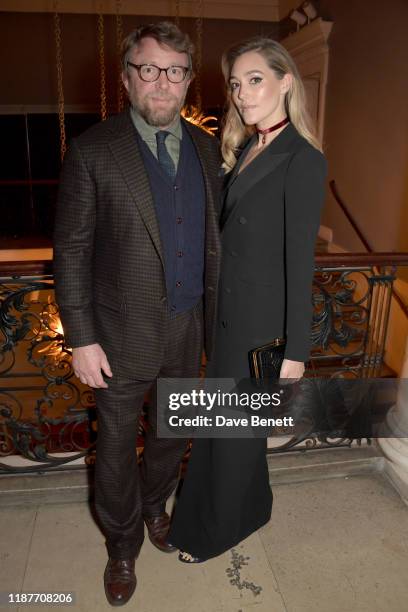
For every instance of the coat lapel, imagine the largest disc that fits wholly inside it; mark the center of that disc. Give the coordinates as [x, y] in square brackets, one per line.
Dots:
[261, 167]
[250, 176]
[228, 202]
[235, 171]
[125, 150]
[241, 182]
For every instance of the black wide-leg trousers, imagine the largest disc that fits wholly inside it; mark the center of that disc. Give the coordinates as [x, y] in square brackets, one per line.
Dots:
[124, 490]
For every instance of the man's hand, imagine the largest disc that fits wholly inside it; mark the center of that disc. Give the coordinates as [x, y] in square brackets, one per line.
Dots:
[292, 369]
[88, 361]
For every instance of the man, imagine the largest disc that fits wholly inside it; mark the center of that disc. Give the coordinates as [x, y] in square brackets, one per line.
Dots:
[136, 260]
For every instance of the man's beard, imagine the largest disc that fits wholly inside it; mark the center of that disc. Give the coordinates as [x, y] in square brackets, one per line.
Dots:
[157, 117]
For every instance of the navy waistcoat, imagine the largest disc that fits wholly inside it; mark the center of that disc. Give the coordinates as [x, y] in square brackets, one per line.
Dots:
[180, 210]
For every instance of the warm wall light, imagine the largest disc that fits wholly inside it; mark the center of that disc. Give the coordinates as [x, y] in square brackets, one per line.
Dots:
[196, 116]
[309, 10]
[298, 17]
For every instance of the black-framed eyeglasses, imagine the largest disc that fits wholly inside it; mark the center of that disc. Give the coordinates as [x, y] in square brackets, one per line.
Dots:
[150, 72]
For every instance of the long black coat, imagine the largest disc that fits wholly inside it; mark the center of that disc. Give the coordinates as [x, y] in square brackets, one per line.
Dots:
[270, 221]
[108, 257]
[269, 227]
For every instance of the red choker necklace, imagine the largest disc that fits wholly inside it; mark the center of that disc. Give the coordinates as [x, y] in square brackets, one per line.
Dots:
[272, 129]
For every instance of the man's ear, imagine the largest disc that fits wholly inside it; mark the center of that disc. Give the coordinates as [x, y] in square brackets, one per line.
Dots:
[125, 80]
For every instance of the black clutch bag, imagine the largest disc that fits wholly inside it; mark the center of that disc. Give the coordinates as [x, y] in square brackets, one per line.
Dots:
[266, 361]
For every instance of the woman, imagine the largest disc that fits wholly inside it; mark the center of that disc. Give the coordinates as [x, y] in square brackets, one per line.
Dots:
[274, 193]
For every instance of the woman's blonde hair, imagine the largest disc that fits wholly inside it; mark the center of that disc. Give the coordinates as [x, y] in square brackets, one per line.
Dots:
[278, 59]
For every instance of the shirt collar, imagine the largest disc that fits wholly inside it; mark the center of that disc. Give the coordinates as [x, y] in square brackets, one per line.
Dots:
[148, 132]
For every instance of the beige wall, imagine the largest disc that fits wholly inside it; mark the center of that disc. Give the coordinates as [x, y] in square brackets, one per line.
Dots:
[366, 135]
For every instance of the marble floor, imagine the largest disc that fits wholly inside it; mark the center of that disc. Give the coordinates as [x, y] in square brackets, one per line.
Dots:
[332, 545]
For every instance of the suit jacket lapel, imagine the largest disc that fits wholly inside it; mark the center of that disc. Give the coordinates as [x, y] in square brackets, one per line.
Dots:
[235, 171]
[239, 185]
[227, 203]
[261, 166]
[125, 150]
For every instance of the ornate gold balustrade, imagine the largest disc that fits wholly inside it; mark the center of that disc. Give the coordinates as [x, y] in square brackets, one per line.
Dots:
[48, 417]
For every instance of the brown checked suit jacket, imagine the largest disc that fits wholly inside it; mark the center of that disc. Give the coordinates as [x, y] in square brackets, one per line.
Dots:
[108, 259]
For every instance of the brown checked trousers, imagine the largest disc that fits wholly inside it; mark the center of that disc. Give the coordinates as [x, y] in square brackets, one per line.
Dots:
[124, 491]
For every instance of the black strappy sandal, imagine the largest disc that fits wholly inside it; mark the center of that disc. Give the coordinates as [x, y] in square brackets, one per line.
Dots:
[185, 557]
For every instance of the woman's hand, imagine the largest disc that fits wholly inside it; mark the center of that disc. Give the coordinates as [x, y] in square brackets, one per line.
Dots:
[292, 369]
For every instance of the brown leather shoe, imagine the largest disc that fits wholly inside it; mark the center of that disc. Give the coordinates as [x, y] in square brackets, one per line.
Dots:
[119, 580]
[158, 528]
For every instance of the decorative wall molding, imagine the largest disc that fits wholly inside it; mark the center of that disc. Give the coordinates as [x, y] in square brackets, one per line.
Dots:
[256, 10]
[316, 33]
[310, 50]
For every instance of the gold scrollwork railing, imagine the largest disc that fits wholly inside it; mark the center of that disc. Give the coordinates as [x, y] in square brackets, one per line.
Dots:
[45, 412]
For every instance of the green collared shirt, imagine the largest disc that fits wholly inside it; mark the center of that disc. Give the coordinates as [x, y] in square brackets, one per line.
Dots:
[148, 134]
